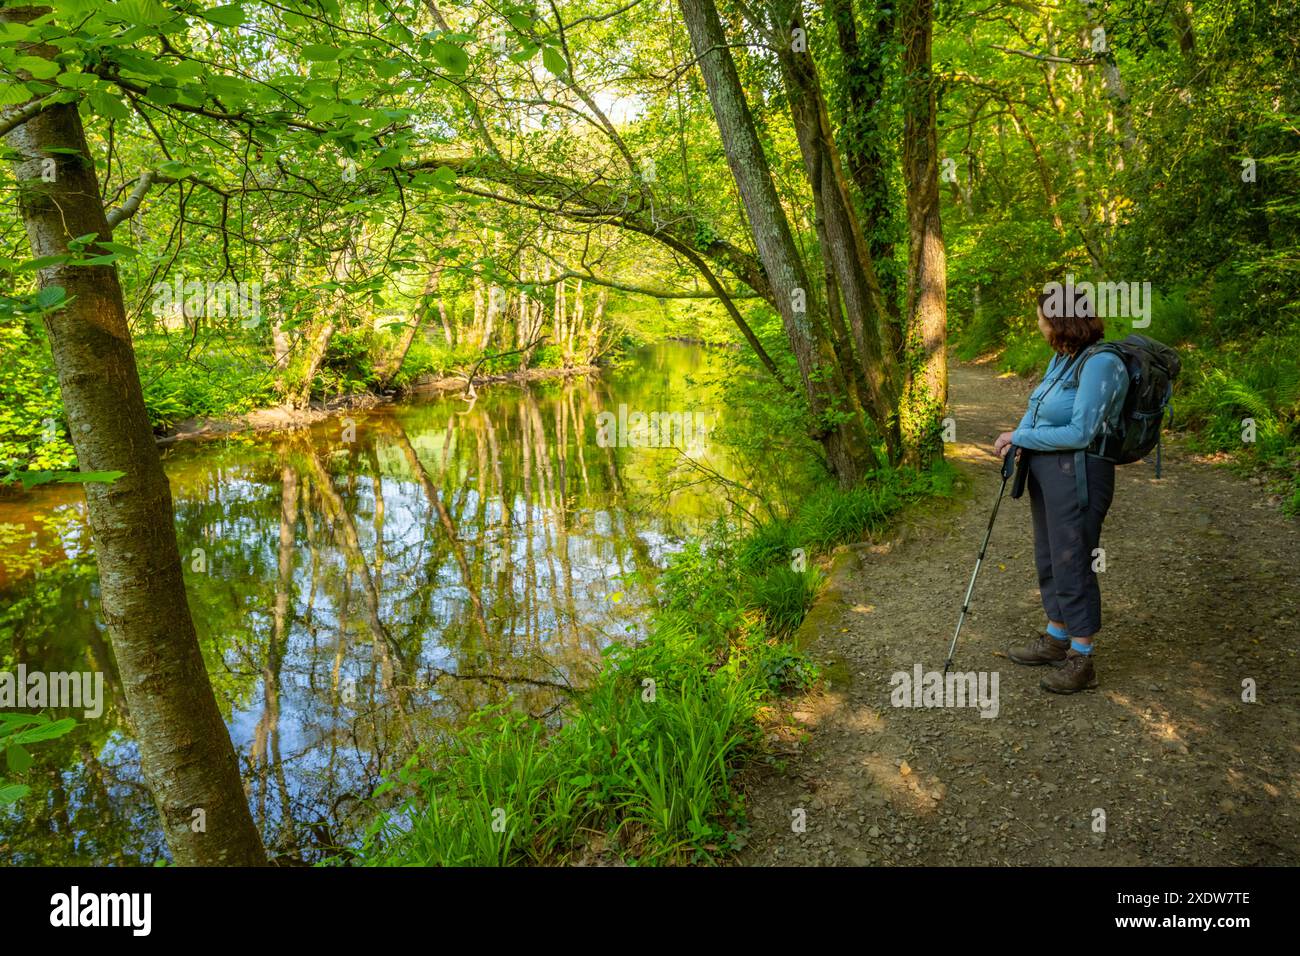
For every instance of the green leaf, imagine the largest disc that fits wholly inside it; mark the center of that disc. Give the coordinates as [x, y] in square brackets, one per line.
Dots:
[76, 81]
[387, 68]
[228, 87]
[554, 61]
[163, 95]
[20, 720]
[182, 69]
[12, 793]
[13, 32]
[318, 52]
[37, 66]
[50, 296]
[119, 247]
[12, 94]
[45, 732]
[109, 106]
[42, 262]
[450, 57]
[227, 15]
[321, 113]
[175, 169]
[444, 179]
[31, 479]
[390, 158]
[142, 12]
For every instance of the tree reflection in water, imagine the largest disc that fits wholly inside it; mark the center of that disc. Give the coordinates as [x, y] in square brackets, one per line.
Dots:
[355, 599]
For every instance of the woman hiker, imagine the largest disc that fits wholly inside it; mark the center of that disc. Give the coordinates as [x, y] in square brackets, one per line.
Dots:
[1069, 488]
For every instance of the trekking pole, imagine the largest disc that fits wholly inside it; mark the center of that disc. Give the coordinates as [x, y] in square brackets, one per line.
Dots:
[1008, 466]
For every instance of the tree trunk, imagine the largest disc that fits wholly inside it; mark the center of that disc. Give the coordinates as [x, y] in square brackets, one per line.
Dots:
[838, 228]
[185, 750]
[596, 330]
[579, 315]
[560, 324]
[1069, 127]
[864, 130]
[448, 322]
[316, 352]
[1116, 92]
[280, 344]
[339, 272]
[494, 294]
[925, 389]
[394, 363]
[844, 441]
[842, 343]
[480, 308]
[1182, 18]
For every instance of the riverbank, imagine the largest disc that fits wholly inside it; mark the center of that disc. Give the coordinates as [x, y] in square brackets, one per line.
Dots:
[355, 601]
[642, 768]
[285, 418]
[705, 343]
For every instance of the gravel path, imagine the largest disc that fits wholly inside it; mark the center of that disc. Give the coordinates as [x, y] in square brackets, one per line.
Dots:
[1201, 592]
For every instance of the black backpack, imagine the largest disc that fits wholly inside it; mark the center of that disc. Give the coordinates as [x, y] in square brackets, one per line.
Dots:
[1152, 367]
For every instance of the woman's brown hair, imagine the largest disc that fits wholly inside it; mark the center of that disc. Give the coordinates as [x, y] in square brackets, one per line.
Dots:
[1073, 326]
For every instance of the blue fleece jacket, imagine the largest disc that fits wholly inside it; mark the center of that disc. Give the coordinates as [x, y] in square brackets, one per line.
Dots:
[1062, 417]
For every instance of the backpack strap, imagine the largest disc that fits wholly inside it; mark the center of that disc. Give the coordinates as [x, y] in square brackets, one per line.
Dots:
[1095, 349]
[1081, 456]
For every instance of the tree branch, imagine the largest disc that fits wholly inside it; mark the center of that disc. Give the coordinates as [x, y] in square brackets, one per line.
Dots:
[1050, 58]
[640, 289]
[132, 204]
[20, 116]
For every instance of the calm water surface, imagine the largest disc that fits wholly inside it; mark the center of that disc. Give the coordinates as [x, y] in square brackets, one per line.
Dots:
[354, 598]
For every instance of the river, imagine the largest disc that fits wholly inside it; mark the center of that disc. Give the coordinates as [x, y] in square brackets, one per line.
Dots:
[359, 588]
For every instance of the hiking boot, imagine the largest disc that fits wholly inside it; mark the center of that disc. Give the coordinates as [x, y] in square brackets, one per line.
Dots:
[1043, 649]
[1074, 675]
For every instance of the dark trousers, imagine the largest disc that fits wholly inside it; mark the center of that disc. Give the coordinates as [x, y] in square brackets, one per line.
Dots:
[1065, 536]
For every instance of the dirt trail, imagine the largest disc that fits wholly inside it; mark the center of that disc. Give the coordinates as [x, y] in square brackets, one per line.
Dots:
[1201, 591]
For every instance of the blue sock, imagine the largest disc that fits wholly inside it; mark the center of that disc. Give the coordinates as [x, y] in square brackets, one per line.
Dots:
[1080, 648]
[1056, 632]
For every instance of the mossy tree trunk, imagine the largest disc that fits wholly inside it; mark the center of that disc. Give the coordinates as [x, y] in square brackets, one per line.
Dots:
[839, 429]
[925, 337]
